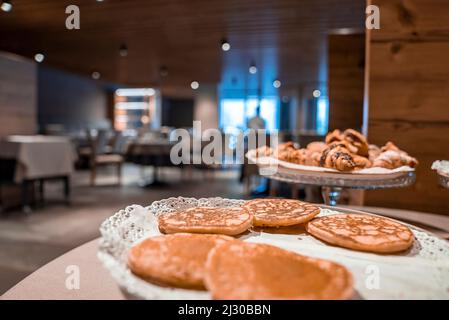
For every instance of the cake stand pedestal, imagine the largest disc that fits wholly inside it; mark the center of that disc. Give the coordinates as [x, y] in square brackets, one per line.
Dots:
[332, 183]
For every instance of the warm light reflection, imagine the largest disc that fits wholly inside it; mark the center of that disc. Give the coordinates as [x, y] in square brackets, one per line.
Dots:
[139, 92]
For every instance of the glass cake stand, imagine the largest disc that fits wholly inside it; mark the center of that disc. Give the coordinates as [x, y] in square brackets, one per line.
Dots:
[332, 183]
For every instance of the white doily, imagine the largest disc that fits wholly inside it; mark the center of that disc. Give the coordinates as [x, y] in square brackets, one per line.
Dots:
[419, 273]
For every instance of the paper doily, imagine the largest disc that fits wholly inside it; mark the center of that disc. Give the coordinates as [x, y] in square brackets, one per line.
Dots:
[419, 273]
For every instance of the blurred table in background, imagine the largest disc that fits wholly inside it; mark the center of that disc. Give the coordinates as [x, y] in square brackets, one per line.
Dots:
[38, 159]
[155, 153]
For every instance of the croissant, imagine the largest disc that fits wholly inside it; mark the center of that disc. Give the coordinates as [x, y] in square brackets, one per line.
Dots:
[361, 162]
[334, 136]
[392, 159]
[263, 151]
[283, 150]
[313, 158]
[358, 140]
[347, 145]
[316, 146]
[337, 157]
[299, 156]
[389, 146]
[373, 152]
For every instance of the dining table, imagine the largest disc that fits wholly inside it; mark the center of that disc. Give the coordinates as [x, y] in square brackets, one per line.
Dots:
[79, 274]
[37, 158]
[150, 152]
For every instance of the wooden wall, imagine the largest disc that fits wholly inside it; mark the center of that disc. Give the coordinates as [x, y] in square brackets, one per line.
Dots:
[408, 95]
[18, 95]
[346, 64]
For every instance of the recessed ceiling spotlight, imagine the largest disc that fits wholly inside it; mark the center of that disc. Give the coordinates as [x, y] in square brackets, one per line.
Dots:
[39, 57]
[225, 45]
[163, 71]
[96, 75]
[277, 83]
[194, 85]
[316, 93]
[123, 50]
[6, 6]
[252, 68]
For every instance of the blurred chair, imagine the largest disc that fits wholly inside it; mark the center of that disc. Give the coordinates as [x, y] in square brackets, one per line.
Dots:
[103, 156]
[249, 169]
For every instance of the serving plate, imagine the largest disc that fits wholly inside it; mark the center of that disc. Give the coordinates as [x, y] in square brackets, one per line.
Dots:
[368, 173]
[422, 272]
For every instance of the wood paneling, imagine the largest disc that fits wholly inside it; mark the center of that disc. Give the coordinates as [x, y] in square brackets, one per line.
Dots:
[18, 95]
[409, 93]
[346, 60]
[287, 35]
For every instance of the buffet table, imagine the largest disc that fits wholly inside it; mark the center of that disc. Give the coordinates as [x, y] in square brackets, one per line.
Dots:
[49, 282]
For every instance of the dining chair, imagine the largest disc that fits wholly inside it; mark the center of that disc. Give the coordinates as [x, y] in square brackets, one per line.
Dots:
[102, 156]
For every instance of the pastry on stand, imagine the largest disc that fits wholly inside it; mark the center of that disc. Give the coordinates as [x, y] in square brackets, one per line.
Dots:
[344, 160]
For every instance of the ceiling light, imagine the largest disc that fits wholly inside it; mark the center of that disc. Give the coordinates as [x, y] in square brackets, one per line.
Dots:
[123, 50]
[39, 57]
[163, 71]
[135, 92]
[252, 69]
[6, 6]
[276, 83]
[225, 45]
[96, 75]
[316, 93]
[194, 85]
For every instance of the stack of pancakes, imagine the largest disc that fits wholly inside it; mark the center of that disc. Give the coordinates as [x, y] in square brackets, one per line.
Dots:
[198, 251]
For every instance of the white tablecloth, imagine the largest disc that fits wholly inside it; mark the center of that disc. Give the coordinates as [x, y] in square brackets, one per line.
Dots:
[39, 156]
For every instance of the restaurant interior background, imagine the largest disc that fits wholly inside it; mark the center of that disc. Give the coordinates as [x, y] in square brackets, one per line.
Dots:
[135, 70]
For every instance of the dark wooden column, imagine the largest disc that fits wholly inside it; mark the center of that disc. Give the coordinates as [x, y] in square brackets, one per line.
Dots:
[346, 56]
[408, 95]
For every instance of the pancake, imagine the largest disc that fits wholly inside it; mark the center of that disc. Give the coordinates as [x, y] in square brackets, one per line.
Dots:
[241, 270]
[280, 212]
[362, 232]
[175, 260]
[229, 221]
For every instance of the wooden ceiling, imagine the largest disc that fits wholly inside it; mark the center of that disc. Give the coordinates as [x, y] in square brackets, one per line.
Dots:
[285, 38]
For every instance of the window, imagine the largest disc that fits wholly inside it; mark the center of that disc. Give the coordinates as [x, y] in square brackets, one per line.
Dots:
[234, 113]
[322, 115]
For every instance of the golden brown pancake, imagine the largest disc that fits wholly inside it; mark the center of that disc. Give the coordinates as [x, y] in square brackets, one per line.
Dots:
[280, 212]
[175, 260]
[229, 221]
[362, 232]
[242, 270]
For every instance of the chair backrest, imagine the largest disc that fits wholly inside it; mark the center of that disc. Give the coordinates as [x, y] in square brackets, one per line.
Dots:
[100, 142]
[118, 145]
